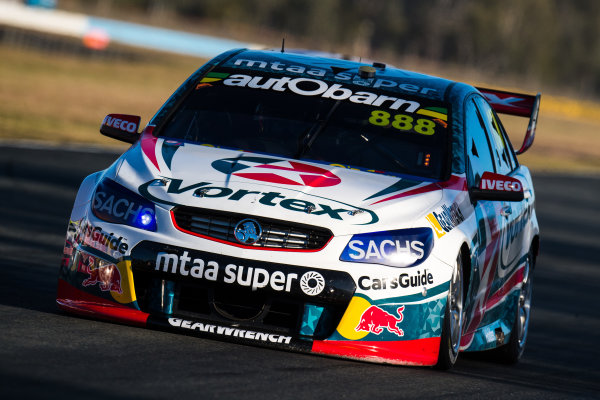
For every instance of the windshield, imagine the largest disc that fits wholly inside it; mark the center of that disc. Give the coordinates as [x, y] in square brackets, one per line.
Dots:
[346, 124]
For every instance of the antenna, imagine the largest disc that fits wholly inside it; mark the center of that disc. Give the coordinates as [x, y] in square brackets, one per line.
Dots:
[283, 44]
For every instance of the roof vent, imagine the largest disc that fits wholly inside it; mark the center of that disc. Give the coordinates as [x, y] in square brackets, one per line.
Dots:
[379, 65]
[366, 71]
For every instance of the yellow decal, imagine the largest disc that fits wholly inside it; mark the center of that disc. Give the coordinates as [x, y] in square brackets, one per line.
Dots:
[351, 319]
[403, 122]
[208, 80]
[433, 114]
[439, 231]
[127, 294]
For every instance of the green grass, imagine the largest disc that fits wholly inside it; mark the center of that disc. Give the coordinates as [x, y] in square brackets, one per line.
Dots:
[63, 98]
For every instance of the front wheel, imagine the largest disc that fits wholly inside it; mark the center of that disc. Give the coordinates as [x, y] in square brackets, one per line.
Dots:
[453, 320]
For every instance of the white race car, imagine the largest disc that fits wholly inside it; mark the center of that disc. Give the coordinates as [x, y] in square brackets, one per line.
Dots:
[314, 204]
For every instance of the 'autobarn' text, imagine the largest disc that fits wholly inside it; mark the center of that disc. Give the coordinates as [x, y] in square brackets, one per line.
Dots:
[316, 87]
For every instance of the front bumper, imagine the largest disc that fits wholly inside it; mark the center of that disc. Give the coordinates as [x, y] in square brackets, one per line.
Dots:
[249, 301]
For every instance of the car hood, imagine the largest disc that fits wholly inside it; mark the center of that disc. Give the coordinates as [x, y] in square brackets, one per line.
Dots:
[345, 200]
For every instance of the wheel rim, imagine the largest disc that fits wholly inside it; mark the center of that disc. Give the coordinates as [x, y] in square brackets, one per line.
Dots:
[524, 305]
[455, 302]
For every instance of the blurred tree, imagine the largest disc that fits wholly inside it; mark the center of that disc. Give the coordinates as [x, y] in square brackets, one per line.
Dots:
[554, 41]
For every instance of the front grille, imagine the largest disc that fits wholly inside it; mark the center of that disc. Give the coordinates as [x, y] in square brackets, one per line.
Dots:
[275, 233]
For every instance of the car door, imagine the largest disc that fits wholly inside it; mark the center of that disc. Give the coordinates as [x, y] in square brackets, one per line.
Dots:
[487, 243]
[513, 213]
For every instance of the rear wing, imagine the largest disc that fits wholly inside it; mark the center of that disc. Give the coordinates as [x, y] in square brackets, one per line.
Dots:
[522, 105]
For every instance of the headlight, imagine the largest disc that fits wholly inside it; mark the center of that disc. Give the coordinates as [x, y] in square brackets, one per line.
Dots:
[399, 248]
[116, 204]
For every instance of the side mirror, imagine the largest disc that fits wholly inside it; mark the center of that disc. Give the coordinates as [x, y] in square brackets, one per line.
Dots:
[498, 187]
[121, 127]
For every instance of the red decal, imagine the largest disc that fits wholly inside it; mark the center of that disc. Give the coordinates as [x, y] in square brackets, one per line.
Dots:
[502, 183]
[149, 146]
[71, 299]
[108, 276]
[441, 122]
[509, 102]
[123, 122]
[509, 285]
[85, 263]
[454, 183]
[486, 275]
[405, 352]
[299, 174]
[374, 320]
[271, 178]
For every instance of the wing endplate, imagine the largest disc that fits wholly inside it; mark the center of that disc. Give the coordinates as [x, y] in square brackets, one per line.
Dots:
[519, 104]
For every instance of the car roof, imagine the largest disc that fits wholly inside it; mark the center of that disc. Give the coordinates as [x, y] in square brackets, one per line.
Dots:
[331, 67]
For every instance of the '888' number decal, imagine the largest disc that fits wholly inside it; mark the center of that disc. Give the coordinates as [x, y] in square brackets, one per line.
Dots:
[402, 122]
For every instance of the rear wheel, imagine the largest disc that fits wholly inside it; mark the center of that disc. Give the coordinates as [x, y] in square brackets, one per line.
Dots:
[453, 320]
[511, 352]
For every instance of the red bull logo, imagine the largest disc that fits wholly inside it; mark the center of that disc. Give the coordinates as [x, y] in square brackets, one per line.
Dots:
[108, 276]
[85, 262]
[374, 320]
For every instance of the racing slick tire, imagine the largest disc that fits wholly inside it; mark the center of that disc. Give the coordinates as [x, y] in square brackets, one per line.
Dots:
[453, 319]
[511, 352]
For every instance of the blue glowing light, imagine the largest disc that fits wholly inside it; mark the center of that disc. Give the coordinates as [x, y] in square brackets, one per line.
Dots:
[146, 219]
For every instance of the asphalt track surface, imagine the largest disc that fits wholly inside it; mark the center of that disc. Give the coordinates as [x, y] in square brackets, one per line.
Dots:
[45, 353]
